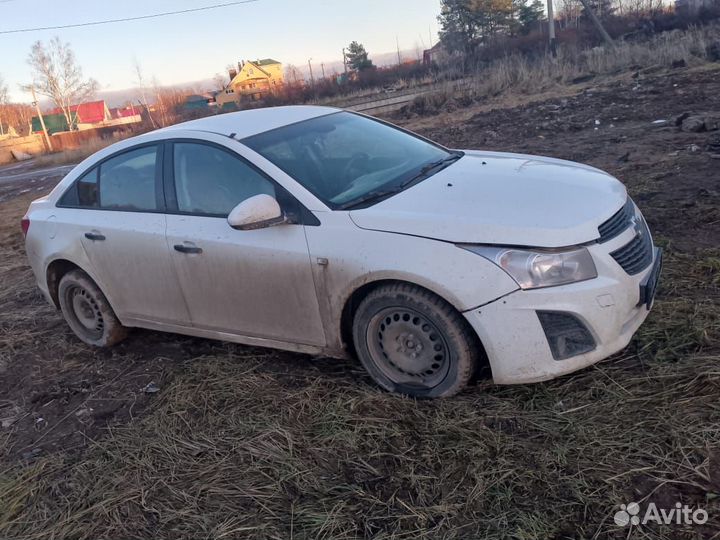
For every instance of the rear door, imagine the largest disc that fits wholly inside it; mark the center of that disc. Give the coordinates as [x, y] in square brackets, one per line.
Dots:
[122, 230]
[254, 283]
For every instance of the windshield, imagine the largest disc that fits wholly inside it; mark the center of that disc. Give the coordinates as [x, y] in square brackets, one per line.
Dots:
[344, 158]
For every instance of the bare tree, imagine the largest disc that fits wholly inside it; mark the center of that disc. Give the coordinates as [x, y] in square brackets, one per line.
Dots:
[167, 102]
[140, 81]
[293, 75]
[14, 117]
[220, 82]
[57, 75]
[3, 92]
[3, 102]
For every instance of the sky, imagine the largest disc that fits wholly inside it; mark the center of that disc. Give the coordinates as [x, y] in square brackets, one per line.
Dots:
[195, 46]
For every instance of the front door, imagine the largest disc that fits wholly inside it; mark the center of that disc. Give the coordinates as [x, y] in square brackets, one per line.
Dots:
[254, 283]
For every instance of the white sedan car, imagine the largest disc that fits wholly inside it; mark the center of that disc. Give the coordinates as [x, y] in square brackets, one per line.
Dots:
[318, 230]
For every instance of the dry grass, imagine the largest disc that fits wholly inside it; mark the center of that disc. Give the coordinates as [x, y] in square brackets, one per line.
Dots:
[517, 74]
[221, 457]
[76, 155]
[248, 443]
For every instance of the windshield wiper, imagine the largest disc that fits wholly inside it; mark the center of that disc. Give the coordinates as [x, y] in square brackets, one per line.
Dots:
[432, 167]
[424, 172]
[371, 196]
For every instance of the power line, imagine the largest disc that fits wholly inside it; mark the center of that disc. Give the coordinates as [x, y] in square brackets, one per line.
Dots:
[141, 17]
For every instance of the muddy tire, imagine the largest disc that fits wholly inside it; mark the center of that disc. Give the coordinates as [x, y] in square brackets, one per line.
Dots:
[87, 311]
[413, 342]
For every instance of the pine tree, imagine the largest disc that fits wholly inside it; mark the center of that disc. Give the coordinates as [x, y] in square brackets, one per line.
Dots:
[529, 13]
[357, 57]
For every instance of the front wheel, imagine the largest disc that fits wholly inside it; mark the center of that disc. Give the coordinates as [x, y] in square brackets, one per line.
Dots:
[87, 311]
[413, 342]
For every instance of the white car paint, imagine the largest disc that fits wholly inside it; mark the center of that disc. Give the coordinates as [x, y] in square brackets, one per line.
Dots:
[608, 305]
[287, 286]
[509, 199]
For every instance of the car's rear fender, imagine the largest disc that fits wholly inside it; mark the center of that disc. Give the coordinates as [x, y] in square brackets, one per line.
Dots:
[53, 247]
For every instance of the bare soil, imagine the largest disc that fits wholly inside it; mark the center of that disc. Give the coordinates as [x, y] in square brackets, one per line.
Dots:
[611, 126]
[241, 442]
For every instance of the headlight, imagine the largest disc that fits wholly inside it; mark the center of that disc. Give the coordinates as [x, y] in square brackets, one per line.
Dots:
[542, 268]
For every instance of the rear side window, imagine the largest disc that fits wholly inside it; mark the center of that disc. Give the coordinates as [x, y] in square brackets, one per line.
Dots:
[87, 189]
[211, 181]
[127, 181]
[124, 182]
[83, 192]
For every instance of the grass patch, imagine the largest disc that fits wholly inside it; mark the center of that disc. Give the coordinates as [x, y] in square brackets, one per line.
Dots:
[76, 155]
[220, 455]
[519, 74]
[242, 442]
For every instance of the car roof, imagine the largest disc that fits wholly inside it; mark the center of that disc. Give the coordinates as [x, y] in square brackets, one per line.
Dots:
[251, 122]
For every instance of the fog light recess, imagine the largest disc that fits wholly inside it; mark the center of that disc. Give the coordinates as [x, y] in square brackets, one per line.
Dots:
[566, 334]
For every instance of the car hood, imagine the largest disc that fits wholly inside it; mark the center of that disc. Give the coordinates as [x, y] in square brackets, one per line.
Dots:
[501, 198]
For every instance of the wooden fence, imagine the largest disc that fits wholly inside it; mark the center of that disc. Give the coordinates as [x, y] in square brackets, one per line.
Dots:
[32, 144]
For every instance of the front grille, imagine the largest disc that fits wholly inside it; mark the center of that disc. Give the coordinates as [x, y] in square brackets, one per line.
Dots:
[619, 221]
[566, 334]
[637, 254]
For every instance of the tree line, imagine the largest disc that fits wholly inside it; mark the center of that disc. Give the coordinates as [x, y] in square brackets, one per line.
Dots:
[56, 75]
[467, 26]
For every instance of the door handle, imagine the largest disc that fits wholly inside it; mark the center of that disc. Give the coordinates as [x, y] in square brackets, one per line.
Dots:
[94, 236]
[187, 249]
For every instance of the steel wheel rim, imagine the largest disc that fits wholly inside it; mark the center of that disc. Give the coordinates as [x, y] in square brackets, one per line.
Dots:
[407, 347]
[85, 311]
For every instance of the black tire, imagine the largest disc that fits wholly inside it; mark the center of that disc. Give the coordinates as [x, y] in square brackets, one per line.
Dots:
[413, 342]
[87, 311]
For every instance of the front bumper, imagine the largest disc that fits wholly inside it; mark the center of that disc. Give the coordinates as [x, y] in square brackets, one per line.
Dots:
[610, 306]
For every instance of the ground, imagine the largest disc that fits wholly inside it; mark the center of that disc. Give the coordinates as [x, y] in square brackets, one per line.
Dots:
[173, 437]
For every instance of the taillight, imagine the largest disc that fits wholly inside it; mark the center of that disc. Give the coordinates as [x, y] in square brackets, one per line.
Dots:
[25, 224]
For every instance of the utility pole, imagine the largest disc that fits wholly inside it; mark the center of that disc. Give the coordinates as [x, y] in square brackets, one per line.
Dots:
[397, 44]
[322, 68]
[344, 61]
[597, 23]
[551, 26]
[42, 120]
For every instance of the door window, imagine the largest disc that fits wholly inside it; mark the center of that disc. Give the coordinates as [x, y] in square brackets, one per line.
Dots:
[84, 192]
[87, 189]
[211, 181]
[127, 181]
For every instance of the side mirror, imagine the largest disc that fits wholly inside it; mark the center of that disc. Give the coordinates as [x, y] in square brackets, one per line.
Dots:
[256, 212]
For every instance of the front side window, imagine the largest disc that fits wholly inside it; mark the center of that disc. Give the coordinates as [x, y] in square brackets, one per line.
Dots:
[127, 181]
[212, 181]
[343, 158]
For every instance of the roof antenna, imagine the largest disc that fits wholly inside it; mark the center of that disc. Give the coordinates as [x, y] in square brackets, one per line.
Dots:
[232, 135]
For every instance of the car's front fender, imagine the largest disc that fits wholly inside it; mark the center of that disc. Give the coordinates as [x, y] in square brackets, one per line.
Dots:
[346, 258]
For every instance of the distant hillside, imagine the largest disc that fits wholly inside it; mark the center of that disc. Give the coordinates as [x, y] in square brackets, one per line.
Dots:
[118, 98]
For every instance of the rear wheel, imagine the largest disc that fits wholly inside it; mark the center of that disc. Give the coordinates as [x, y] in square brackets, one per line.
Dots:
[413, 342]
[87, 311]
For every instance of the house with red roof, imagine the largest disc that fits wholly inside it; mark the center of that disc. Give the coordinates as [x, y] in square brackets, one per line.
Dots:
[92, 112]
